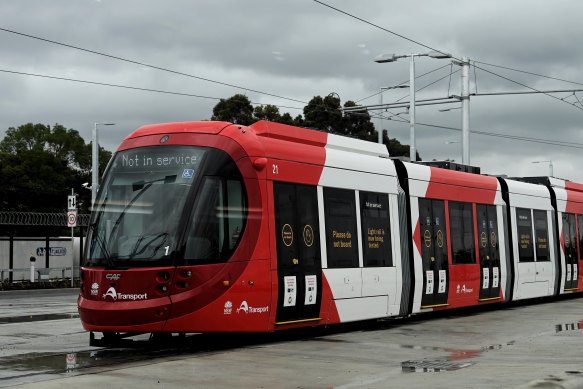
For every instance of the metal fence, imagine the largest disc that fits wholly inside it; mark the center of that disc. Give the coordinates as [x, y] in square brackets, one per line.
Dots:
[40, 219]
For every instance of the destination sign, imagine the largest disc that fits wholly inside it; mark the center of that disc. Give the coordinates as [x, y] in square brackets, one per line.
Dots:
[159, 158]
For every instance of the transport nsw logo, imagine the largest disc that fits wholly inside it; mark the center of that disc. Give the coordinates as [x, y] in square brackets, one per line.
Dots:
[113, 295]
[464, 289]
[244, 308]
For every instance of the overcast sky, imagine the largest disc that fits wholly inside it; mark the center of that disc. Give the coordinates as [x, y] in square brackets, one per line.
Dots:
[298, 49]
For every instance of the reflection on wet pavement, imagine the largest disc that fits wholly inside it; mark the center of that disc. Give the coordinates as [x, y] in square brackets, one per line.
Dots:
[569, 327]
[31, 318]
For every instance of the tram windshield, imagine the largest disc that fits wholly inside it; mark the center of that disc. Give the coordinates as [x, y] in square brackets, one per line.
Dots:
[135, 220]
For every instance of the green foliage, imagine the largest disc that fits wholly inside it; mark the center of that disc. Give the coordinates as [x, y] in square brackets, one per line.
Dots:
[396, 148]
[321, 113]
[236, 109]
[39, 165]
[324, 114]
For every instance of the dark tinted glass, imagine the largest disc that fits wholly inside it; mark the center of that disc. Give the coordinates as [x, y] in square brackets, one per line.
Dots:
[341, 234]
[524, 229]
[541, 231]
[376, 232]
[462, 233]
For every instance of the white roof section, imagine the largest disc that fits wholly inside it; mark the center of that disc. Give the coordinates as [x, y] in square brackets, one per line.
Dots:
[359, 155]
[526, 195]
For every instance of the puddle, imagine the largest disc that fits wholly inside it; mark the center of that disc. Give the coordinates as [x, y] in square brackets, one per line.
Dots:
[457, 359]
[432, 366]
[414, 347]
[569, 327]
[31, 318]
[48, 363]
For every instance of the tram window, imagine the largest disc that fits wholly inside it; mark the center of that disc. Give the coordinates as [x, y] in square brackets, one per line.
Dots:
[341, 234]
[580, 223]
[217, 221]
[235, 212]
[524, 229]
[541, 234]
[461, 222]
[569, 235]
[376, 234]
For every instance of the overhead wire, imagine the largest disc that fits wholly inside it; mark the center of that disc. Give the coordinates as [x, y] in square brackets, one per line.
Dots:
[379, 27]
[129, 87]
[531, 73]
[499, 135]
[402, 83]
[431, 48]
[526, 86]
[149, 65]
[577, 97]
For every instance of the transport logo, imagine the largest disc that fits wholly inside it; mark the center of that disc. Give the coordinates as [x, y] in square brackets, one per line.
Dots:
[95, 289]
[243, 307]
[464, 289]
[111, 293]
[248, 309]
[115, 295]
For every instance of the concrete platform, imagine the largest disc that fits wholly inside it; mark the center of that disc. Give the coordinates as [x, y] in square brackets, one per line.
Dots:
[520, 346]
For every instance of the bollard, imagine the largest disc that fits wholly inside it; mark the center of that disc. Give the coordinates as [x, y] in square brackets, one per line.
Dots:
[32, 261]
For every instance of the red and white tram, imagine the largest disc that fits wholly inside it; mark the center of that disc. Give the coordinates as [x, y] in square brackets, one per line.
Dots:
[217, 227]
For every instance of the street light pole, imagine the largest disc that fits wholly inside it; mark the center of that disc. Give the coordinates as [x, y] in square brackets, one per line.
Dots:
[465, 111]
[550, 162]
[380, 132]
[95, 161]
[392, 58]
[412, 147]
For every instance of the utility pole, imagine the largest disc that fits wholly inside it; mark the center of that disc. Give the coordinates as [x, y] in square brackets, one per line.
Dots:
[412, 147]
[380, 132]
[465, 110]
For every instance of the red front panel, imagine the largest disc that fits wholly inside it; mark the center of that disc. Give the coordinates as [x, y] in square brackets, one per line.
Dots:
[124, 300]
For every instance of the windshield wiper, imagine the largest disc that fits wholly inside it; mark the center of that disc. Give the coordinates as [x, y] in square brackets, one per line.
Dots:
[147, 244]
[142, 186]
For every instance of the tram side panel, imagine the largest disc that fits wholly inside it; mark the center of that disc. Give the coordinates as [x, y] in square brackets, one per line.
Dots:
[457, 223]
[359, 235]
[569, 199]
[531, 227]
[334, 235]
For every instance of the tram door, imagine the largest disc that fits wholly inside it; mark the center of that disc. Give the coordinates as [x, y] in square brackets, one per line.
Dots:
[433, 252]
[299, 266]
[570, 241]
[489, 252]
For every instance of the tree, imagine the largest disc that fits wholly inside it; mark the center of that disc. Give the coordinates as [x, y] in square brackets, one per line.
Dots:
[28, 137]
[358, 124]
[324, 114]
[396, 148]
[236, 109]
[267, 112]
[321, 113]
[39, 165]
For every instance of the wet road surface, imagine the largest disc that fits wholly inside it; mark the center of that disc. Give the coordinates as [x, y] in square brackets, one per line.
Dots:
[42, 345]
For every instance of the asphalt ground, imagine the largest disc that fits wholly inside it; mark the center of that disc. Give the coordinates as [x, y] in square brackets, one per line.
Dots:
[42, 345]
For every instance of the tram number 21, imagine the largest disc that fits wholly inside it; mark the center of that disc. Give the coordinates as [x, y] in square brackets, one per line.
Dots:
[275, 169]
